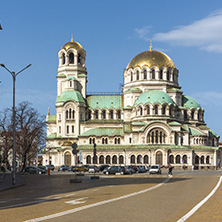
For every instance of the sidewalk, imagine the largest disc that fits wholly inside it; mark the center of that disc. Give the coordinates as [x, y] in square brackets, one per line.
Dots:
[6, 182]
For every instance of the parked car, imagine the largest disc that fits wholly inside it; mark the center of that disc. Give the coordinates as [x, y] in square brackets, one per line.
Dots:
[63, 168]
[133, 168]
[31, 170]
[129, 170]
[103, 167]
[155, 169]
[41, 169]
[115, 170]
[141, 169]
[93, 169]
[51, 167]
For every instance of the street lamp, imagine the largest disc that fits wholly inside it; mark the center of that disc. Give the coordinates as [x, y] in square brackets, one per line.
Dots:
[13, 74]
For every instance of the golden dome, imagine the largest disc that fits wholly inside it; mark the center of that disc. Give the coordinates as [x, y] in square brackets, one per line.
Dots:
[72, 44]
[151, 58]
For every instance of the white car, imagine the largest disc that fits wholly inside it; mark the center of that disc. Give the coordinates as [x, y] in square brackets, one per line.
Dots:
[155, 169]
[93, 169]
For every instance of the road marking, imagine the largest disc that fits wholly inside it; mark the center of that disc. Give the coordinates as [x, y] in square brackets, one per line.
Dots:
[28, 203]
[96, 204]
[71, 194]
[77, 201]
[192, 211]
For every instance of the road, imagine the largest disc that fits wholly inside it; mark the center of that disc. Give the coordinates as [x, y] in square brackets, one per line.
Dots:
[138, 197]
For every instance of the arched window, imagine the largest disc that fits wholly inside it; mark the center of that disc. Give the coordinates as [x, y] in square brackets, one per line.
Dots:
[119, 114]
[147, 110]
[103, 141]
[141, 111]
[184, 158]
[89, 114]
[79, 59]
[90, 140]
[145, 74]
[159, 158]
[153, 74]
[139, 159]
[70, 83]
[185, 115]
[137, 75]
[114, 159]
[161, 74]
[88, 159]
[73, 114]
[146, 159]
[121, 160]
[111, 114]
[163, 110]
[196, 159]
[192, 114]
[72, 129]
[71, 58]
[101, 159]
[202, 160]
[67, 114]
[156, 110]
[63, 59]
[104, 114]
[152, 137]
[132, 159]
[171, 159]
[178, 159]
[108, 159]
[94, 159]
[96, 114]
[168, 75]
[67, 129]
[208, 160]
[170, 111]
[67, 158]
[70, 113]
[131, 75]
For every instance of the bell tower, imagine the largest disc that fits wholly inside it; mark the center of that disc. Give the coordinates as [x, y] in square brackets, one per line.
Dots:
[72, 73]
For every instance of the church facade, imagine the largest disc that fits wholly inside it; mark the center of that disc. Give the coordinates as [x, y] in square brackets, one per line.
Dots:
[150, 122]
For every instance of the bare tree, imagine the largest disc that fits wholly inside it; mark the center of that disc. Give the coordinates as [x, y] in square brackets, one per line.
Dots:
[30, 132]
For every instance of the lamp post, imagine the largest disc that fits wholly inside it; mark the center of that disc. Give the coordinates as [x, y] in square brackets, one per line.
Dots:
[13, 74]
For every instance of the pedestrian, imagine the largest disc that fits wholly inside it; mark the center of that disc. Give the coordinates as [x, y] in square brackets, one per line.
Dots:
[170, 173]
[192, 168]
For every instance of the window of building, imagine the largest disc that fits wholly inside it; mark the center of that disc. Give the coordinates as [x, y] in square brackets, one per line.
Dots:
[192, 115]
[147, 110]
[72, 129]
[161, 74]
[104, 114]
[185, 115]
[63, 59]
[88, 159]
[96, 114]
[89, 114]
[111, 114]
[145, 74]
[67, 129]
[153, 74]
[71, 58]
[108, 159]
[73, 114]
[121, 159]
[184, 158]
[178, 159]
[156, 135]
[146, 159]
[67, 114]
[202, 160]
[156, 110]
[163, 110]
[60, 116]
[208, 160]
[130, 140]
[168, 75]
[171, 159]
[101, 159]
[60, 129]
[70, 83]
[119, 114]
[79, 59]
[114, 159]
[139, 159]
[137, 75]
[141, 111]
[132, 159]
[131, 75]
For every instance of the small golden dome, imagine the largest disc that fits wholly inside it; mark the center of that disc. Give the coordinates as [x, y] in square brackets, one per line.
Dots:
[72, 44]
[151, 58]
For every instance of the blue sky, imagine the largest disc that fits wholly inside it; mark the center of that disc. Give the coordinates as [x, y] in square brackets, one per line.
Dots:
[112, 33]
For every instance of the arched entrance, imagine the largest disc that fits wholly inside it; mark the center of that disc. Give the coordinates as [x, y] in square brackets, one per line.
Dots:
[159, 158]
[67, 158]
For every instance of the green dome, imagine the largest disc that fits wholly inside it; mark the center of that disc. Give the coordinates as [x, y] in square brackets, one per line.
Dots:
[154, 96]
[190, 103]
[70, 96]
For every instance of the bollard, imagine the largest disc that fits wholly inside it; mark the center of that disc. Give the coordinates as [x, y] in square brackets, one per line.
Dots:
[48, 171]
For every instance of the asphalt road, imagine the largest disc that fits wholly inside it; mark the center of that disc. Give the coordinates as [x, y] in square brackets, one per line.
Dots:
[138, 197]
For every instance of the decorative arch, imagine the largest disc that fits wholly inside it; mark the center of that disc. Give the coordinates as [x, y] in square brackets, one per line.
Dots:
[159, 157]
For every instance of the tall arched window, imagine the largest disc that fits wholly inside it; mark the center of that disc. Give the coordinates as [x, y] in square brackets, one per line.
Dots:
[178, 159]
[73, 114]
[192, 114]
[108, 159]
[208, 160]
[146, 159]
[147, 110]
[137, 75]
[96, 114]
[114, 159]
[104, 114]
[202, 160]
[161, 74]
[141, 111]
[131, 76]
[145, 74]
[185, 115]
[156, 110]
[71, 58]
[184, 158]
[132, 159]
[163, 110]
[168, 75]
[63, 59]
[153, 74]
[79, 59]
[159, 158]
[101, 159]
[121, 159]
[111, 114]
[156, 135]
[67, 114]
[139, 159]
[89, 114]
[171, 159]
[196, 159]
[88, 159]
[119, 114]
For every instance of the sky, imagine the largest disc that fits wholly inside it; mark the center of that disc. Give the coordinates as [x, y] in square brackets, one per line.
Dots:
[112, 33]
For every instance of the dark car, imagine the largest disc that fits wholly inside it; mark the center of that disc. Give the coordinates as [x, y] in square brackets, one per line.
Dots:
[141, 169]
[115, 170]
[103, 167]
[63, 168]
[31, 170]
[129, 170]
[51, 167]
[41, 169]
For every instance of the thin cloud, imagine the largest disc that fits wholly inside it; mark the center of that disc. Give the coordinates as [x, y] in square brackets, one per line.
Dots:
[142, 32]
[205, 34]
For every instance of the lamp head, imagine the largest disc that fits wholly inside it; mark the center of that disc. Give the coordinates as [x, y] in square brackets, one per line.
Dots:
[2, 65]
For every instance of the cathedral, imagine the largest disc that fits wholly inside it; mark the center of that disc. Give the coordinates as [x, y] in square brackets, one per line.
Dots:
[150, 122]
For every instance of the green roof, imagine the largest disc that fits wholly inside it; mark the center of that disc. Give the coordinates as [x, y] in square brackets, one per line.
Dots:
[70, 96]
[212, 133]
[185, 127]
[71, 77]
[105, 101]
[133, 90]
[174, 123]
[51, 118]
[154, 97]
[194, 132]
[138, 124]
[190, 103]
[82, 75]
[103, 131]
[174, 90]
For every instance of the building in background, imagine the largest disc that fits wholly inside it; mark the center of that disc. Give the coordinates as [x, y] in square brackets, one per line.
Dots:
[150, 122]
